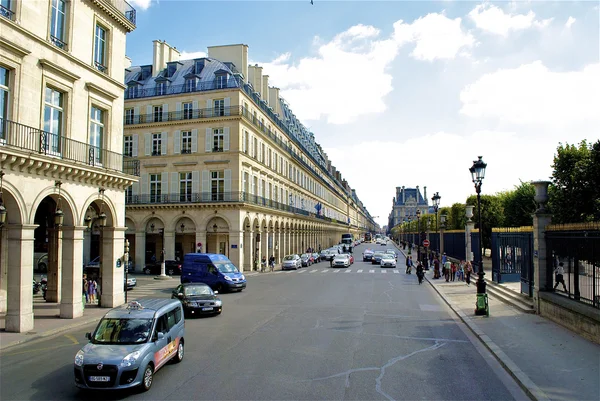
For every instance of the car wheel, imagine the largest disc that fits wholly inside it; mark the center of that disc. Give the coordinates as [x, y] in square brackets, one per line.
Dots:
[147, 271]
[179, 355]
[171, 271]
[147, 378]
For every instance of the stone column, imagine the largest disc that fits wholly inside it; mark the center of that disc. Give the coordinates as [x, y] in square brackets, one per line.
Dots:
[3, 269]
[111, 285]
[140, 251]
[236, 238]
[19, 311]
[468, 229]
[169, 245]
[201, 238]
[71, 302]
[542, 267]
[278, 246]
[247, 250]
[53, 291]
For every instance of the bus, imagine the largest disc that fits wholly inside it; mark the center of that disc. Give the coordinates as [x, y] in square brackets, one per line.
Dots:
[368, 237]
[347, 241]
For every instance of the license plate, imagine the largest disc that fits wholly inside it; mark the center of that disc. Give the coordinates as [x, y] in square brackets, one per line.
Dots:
[99, 378]
[208, 308]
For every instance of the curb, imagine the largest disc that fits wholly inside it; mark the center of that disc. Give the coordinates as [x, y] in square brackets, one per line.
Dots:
[530, 388]
[48, 333]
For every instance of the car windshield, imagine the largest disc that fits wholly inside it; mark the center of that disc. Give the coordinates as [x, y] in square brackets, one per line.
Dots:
[304, 256]
[289, 257]
[197, 290]
[226, 267]
[377, 255]
[122, 331]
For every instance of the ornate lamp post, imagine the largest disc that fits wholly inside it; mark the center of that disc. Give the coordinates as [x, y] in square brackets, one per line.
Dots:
[436, 204]
[409, 236]
[478, 174]
[418, 235]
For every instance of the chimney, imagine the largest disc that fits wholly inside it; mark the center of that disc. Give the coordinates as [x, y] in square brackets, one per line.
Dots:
[163, 53]
[127, 62]
[274, 100]
[403, 195]
[425, 194]
[264, 92]
[236, 54]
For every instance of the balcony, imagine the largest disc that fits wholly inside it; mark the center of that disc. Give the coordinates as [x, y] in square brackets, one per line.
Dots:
[6, 13]
[19, 136]
[137, 93]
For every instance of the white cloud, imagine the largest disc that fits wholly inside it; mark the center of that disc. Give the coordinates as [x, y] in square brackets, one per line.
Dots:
[143, 4]
[354, 64]
[532, 93]
[494, 20]
[191, 55]
[570, 22]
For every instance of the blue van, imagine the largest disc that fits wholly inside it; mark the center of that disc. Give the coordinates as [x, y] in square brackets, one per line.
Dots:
[213, 269]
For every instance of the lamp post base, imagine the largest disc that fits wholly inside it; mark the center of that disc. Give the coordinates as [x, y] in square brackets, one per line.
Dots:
[163, 275]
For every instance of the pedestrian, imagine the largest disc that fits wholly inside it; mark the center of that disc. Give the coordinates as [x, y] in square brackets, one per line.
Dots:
[436, 268]
[460, 273]
[92, 290]
[454, 269]
[409, 265]
[468, 271]
[420, 272]
[263, 264]
[85, 289]
[559, 276]
[272, 262]
[447, 269]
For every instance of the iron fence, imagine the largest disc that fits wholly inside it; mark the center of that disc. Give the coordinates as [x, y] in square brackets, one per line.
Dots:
[15, 135]
[512, 257]
[579, 252]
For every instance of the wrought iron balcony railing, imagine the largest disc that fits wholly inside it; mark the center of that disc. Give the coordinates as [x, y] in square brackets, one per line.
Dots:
[222, 197]
[125, 8]
[6, 13]
[136, 93]
[19, 136]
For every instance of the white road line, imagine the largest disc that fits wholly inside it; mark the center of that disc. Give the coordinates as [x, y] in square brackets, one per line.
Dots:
[384, 271]
[359, 271]
[301, 271]
[371, 271]
[336, 271]
[312, 271]
[348, 271]
[324, 271]
[396, 271]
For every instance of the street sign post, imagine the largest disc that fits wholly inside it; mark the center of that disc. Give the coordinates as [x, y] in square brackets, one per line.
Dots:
[426, 243]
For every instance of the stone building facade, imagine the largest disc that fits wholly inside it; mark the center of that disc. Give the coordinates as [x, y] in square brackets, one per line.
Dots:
[405, 205]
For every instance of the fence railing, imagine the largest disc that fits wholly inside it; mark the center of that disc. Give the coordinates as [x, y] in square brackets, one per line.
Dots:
[512, 257]
[15, 135]
[125, 8]
[579, 251]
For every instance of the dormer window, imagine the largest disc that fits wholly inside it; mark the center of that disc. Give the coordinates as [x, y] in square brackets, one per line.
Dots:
[190, 84]
[198, 66]
[221, 77]
[146, 72]
[132, 92]
[171, 69]
[161, 88]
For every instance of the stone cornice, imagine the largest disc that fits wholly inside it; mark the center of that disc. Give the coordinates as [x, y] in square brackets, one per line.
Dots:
[13, 48]
[114, 13]
[57, 169]
[59, 70]
[101, 91]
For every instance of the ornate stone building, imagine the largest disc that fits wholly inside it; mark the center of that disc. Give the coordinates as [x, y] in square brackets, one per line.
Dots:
[405, 205]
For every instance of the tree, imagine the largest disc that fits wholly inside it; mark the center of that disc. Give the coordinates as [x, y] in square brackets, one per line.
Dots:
[457, 217]
[519, 205]
[575, 194]
[492, 215]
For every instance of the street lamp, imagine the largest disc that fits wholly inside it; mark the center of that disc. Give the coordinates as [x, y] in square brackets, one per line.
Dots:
[436, 204]
[478, 174]
[418, 235]
[126, 259]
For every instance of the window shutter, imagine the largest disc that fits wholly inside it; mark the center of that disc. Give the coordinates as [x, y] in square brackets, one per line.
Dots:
[149, 113]
[144, 187]
[174, 190]
[164, 185]
[176, 142]
[165, 115]
[194, 141]
[227, 103]
[225, 139]
[209, 106]
[209, 140]
[148, 144]
[178, 114]
[136, 114]
[205, 186]
[163, 143]
[227, 184]
[195, 182]
[134, 146]
[195, 110]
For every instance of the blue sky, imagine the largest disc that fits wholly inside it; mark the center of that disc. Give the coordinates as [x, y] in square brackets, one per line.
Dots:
[409, 93]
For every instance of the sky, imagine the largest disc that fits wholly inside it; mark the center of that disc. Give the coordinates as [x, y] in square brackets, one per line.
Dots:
[407, 93]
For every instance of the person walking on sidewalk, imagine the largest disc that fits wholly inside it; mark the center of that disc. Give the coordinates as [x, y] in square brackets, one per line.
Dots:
[559, 276]
[447, 270]
[454, 270]
[409, 265]
[436, 268]
[460, 273]
[272, 262]
[420, 272]
[468, 271]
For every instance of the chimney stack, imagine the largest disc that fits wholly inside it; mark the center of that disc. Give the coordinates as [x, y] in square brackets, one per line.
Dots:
[163, 53]
[403, 195]
[425, 194]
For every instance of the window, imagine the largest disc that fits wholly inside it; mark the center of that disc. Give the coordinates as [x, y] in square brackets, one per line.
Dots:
[156, 144]
[217, 185]
[155, 187]
[4, 99]
[187, 111]
[161, 88]
[186, 142]
[245, 144]
[254, 148]
[129, 194]
[132, 92]
[57, 23]
[53, 120]
[221, 81]
[262, 153]
[185, 187]
[128, 146]
[219, 106]
[190, 84]
[97, 132]
[100, 48]
[129, 115]
[5, 9]
[158, 114]
[218, 140]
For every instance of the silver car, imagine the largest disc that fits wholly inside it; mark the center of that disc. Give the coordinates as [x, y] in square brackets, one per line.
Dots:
[341, 260]
[388, 260]
[130, 344]
[291, 262]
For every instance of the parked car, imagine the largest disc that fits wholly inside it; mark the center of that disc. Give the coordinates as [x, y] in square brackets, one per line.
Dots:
[328, 254]
[130, 282]
[376, 259]
[172, 267]
[341, 260]
[387, 260]
[213, 269]
[392, 252]
[198, 299]
[367, 255]
[291, 262]
[316, 257]
[130, 344]
[306, 259]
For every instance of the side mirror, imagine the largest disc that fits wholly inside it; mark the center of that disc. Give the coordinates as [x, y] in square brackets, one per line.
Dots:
[159, 336]
[180, 294]
[88, 336]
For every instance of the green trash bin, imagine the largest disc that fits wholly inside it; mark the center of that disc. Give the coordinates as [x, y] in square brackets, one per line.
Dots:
[481, 305]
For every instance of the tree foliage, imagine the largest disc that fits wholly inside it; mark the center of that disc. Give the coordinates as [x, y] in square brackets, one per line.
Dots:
[519, 205]
[575, 194]
[492, 215]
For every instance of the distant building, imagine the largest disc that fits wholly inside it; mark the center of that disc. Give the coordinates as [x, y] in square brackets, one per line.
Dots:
[405, 205]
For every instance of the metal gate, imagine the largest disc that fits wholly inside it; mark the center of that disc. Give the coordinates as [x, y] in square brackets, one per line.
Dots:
[512, 256]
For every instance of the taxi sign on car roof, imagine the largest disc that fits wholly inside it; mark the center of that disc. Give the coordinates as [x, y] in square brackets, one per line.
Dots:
[134, 305]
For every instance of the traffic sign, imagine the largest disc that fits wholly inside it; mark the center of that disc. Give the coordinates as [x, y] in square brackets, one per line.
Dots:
[426, 243]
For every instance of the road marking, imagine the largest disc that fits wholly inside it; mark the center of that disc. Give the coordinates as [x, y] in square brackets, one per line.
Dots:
[312, 271]
[348, 271]
[384, 271]
[396, 271]
[324, 271]
[371, 271]
[301, 271]
[336, 271]
[72, 338]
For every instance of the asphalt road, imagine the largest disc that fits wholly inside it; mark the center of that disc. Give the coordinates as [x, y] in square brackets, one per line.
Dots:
[318, 333]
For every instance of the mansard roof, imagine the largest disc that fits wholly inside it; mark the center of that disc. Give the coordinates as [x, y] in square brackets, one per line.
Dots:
[411, 193]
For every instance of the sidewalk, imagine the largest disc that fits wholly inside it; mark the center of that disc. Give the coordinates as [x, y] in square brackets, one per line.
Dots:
[548, 361]
[47, 322]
